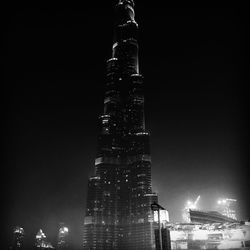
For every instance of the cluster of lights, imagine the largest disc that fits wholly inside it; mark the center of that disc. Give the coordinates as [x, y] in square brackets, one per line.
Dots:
[18, 230]
[40, 235]
[41, 240]
[191, 204]
[226, 205]
[64, 230]
[224, 201]
[229, 238]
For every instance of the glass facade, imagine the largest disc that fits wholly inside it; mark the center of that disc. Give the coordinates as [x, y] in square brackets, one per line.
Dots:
[118, 213]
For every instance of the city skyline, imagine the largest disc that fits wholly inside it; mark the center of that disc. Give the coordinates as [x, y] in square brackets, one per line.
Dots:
[51, 124]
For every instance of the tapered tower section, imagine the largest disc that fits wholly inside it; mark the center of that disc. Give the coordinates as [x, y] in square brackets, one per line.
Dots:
[118, 214]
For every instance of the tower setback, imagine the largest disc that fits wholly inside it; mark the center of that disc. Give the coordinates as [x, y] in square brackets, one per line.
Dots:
[118, 214]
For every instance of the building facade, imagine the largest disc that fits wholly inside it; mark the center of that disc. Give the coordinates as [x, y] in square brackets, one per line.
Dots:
[205, 217]
[118, 213]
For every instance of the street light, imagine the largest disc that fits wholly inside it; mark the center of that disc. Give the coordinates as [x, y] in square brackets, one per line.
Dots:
[156, 207]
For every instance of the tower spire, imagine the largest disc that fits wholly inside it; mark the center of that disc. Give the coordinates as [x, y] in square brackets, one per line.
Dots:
[125, 45]
[127, 2]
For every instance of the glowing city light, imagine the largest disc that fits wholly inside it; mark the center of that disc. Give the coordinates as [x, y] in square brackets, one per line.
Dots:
[40, 234]
[18, 230]
[189, 205]
[63, 230]
[164, 216]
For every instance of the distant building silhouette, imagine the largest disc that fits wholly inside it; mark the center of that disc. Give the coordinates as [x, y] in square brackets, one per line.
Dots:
[18, 238]
[41, 241]
[63, 237]
[118, 214]
[226, 206]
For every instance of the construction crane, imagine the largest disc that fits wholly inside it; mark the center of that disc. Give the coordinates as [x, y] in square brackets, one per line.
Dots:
[189, 205]
[196, 201]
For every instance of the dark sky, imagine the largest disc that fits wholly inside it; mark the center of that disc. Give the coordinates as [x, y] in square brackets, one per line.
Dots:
[194, 63]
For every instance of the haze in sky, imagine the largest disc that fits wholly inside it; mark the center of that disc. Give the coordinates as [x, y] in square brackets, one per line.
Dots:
[194, 64]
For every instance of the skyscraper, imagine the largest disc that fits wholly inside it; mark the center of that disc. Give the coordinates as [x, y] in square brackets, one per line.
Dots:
[118, 214]
[63, 235]
[18, 237]
[41, 241]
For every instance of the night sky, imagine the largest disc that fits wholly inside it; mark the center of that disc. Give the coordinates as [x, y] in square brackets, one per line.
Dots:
[194, 63]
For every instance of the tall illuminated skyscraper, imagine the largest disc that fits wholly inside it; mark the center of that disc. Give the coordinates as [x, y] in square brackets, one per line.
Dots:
[118, 214]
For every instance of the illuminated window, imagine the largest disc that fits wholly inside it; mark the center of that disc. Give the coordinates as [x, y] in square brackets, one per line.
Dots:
[106, 193]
